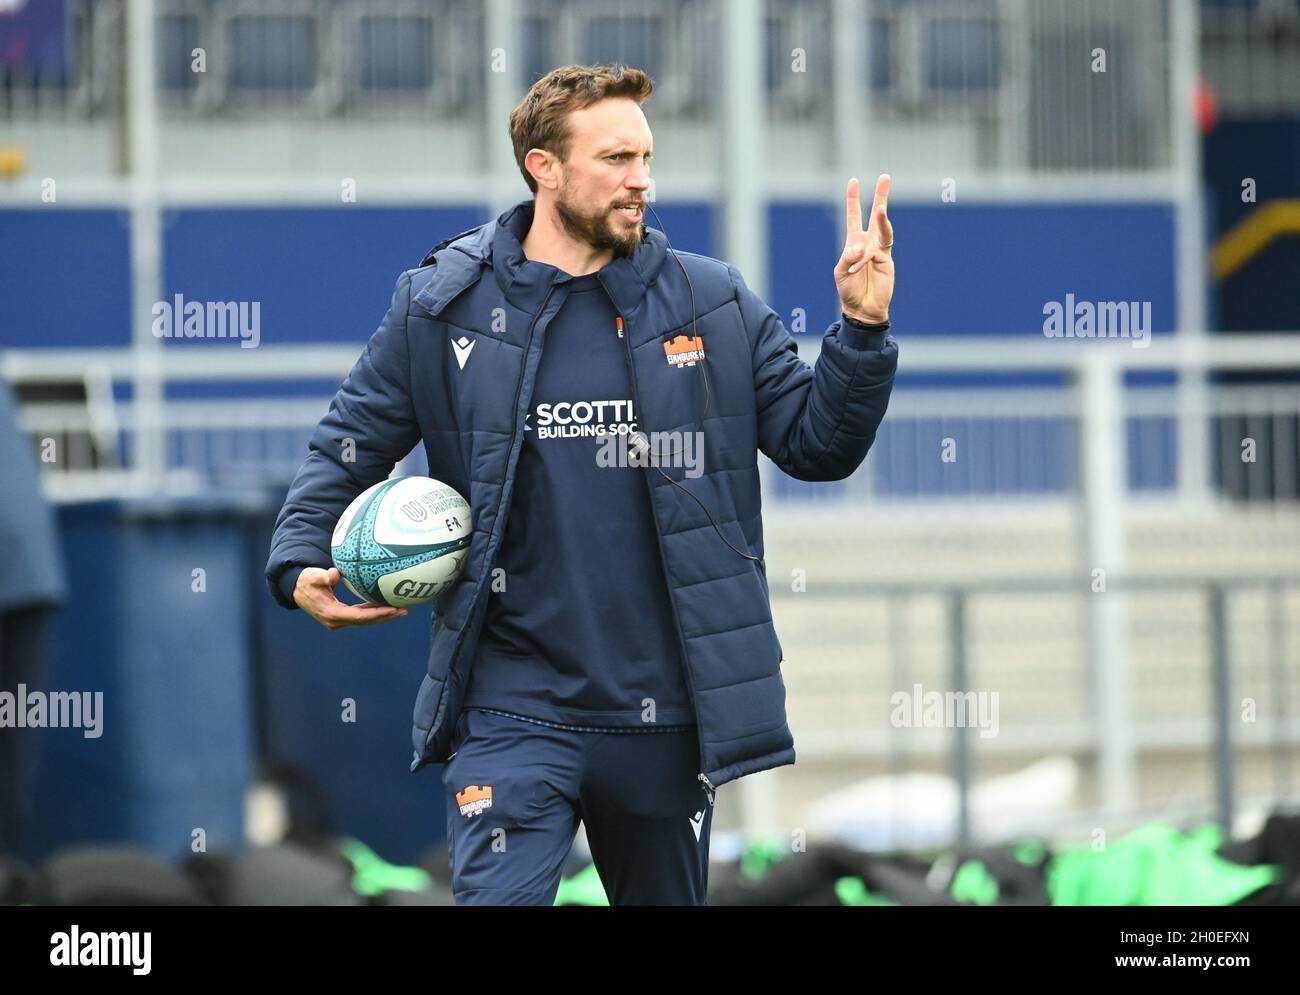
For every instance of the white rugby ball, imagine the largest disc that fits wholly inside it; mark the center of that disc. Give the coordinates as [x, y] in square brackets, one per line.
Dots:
[403, 542]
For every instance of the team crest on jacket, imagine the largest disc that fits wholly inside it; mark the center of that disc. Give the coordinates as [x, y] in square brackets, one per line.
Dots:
[683, 351]
[473, 800]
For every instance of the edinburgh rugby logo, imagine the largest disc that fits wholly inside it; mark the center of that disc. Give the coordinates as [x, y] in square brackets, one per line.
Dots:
[683, 351]
[474, 800]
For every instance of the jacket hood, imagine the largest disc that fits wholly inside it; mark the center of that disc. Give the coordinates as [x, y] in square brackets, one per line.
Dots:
[525, 283]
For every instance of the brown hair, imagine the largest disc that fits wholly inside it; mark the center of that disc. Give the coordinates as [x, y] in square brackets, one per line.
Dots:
[541, 121]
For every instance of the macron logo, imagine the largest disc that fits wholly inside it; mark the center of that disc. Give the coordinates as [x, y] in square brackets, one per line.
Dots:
[697, 823]
[463, 346]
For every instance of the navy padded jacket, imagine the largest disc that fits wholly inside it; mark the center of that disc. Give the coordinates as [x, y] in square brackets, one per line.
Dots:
[814, 422]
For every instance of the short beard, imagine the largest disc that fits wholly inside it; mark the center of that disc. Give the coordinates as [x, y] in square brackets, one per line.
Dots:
[596, 231]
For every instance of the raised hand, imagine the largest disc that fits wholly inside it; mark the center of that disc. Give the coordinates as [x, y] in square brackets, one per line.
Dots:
[864, 275]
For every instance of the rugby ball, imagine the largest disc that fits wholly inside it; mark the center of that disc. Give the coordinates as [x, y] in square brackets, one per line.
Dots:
[403, 542]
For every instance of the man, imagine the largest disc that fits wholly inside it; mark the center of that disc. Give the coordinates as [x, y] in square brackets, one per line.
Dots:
[608, 655]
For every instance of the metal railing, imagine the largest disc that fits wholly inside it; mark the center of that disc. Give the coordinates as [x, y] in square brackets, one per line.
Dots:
[1251, 55]
[1032, 441]
[1016, 70]
[1238, 709]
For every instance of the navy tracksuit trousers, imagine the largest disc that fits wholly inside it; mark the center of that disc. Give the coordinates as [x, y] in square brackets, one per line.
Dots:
[516, 790]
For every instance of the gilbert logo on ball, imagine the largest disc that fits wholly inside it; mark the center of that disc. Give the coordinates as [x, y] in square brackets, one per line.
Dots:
[403, 542]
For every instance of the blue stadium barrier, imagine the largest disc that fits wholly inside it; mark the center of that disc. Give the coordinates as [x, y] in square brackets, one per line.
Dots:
[307, 269]
[174, 752]
[65, 277]
[199, 686]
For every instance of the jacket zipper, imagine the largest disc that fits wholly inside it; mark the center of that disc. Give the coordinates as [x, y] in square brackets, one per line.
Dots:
[663, 562]
[519, 387]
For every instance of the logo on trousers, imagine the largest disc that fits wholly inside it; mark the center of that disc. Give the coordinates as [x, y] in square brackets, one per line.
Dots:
[697, 823]
[473, 800]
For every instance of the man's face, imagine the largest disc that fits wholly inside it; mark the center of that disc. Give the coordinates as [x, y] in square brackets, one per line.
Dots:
[608, 167]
